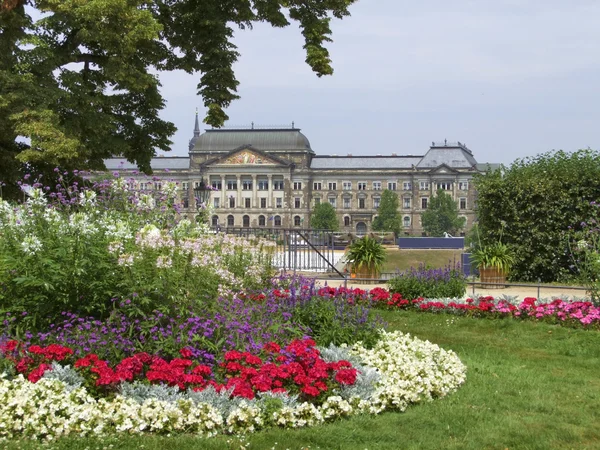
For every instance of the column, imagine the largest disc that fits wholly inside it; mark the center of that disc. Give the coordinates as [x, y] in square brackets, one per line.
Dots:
[253, 201]
[238, 200]
[270, 191]
[223, 192]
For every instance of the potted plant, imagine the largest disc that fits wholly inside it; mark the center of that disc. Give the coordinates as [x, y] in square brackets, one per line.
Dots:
[494, 261]
[366, 257]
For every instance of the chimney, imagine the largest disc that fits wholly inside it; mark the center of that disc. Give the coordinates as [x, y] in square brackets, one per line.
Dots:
[393, 154]
[350, 155]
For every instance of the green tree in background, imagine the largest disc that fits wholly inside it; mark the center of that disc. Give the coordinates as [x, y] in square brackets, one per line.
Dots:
[441, 216]
[542, 200]
[324, 217]
[388, 218]
[79, 82]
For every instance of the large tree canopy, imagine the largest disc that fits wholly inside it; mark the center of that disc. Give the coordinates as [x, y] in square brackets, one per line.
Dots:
[80, 82]
[324, 217]
[536, 203]
[441, 216]
[388, 218]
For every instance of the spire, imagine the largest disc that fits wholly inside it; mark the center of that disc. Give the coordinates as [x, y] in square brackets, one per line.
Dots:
[196, 125]
[196, 133]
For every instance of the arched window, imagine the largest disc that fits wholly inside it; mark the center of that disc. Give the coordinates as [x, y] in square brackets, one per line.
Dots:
[346, 221]
[261, 221]
[297, 221]
[215, 221]
[406, 221]
[230, 220]
[277, 221]
[246, 221]
[361, 228]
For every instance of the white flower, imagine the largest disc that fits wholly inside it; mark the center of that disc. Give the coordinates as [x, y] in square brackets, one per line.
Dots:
[164, 262]
[31, 245]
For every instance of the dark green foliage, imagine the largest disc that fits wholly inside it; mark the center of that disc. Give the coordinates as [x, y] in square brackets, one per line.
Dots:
[81, 82]
[442, 216]
[448, 282]
[538, 199]
[336, 321]
[324, 217]
[366, 252]
[388, 218]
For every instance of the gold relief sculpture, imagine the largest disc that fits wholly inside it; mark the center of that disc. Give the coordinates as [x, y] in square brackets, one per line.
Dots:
[246, 157]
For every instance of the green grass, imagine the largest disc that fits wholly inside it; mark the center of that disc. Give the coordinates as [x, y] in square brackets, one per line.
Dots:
[403, 259]
[529, 386]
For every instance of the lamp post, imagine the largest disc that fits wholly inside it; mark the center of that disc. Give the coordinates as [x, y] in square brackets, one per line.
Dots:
[202, 196]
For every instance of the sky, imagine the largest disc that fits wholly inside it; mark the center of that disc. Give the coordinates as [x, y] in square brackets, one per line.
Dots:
[510, 78]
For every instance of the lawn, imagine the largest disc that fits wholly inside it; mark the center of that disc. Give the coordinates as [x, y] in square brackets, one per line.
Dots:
[403, 259]
[529, 386]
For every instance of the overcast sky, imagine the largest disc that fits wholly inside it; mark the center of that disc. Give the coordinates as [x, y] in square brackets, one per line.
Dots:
[510, 78]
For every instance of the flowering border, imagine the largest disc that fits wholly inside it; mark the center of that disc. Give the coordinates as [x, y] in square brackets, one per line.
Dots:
[410, 370]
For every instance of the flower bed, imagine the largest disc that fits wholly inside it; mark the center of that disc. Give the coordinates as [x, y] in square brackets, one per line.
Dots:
[575, 313]
[397, 371]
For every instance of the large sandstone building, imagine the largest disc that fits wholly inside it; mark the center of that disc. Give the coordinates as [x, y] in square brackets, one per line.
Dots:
[273, 178]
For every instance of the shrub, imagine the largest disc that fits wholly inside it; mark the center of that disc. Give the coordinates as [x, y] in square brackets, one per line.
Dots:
[424, 282]
[80, 249]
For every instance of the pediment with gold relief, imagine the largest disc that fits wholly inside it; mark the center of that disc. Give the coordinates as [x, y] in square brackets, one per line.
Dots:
[247, 157]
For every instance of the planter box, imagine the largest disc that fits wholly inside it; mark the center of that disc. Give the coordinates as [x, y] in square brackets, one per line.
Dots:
[365, 272]
[492, 275]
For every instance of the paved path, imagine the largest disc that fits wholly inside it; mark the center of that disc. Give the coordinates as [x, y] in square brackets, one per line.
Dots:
[545, 291]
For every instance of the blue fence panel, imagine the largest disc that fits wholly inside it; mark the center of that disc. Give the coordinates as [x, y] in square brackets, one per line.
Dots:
[431, 242]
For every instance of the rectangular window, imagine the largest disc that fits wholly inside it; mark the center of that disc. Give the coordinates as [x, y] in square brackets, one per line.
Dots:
[332, 201]
[361, 203]
[362, 186]
[296, 202]
[186, 202]
[347, 185]
[158, 186]
[232, 202]
[317, 201]
[332, 186]
[263, 185]
[391, 186]
[407, 203]
[424, 185]
[278, 202]
[278, 185]
[297, 185]
[463, 203]
[316, 186]
[463, 185]
[246, 185]
[231, 185]
[376, 201]
[346, 203]
[216, 202]
[216, 185]
[246, 203]
[185, 186]
[407, 186]
[424, 201]
[263, 202]
[444, 186]
[376, 185]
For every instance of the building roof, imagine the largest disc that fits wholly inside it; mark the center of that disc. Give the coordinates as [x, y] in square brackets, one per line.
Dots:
[272, 139]
[364, 162]
[455, 155]
[168, 162]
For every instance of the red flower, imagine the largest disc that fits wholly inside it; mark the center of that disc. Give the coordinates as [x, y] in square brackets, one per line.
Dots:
[37, 373]
[185, 352]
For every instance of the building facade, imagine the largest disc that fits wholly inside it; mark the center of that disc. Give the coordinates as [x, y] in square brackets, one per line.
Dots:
[273, 178]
